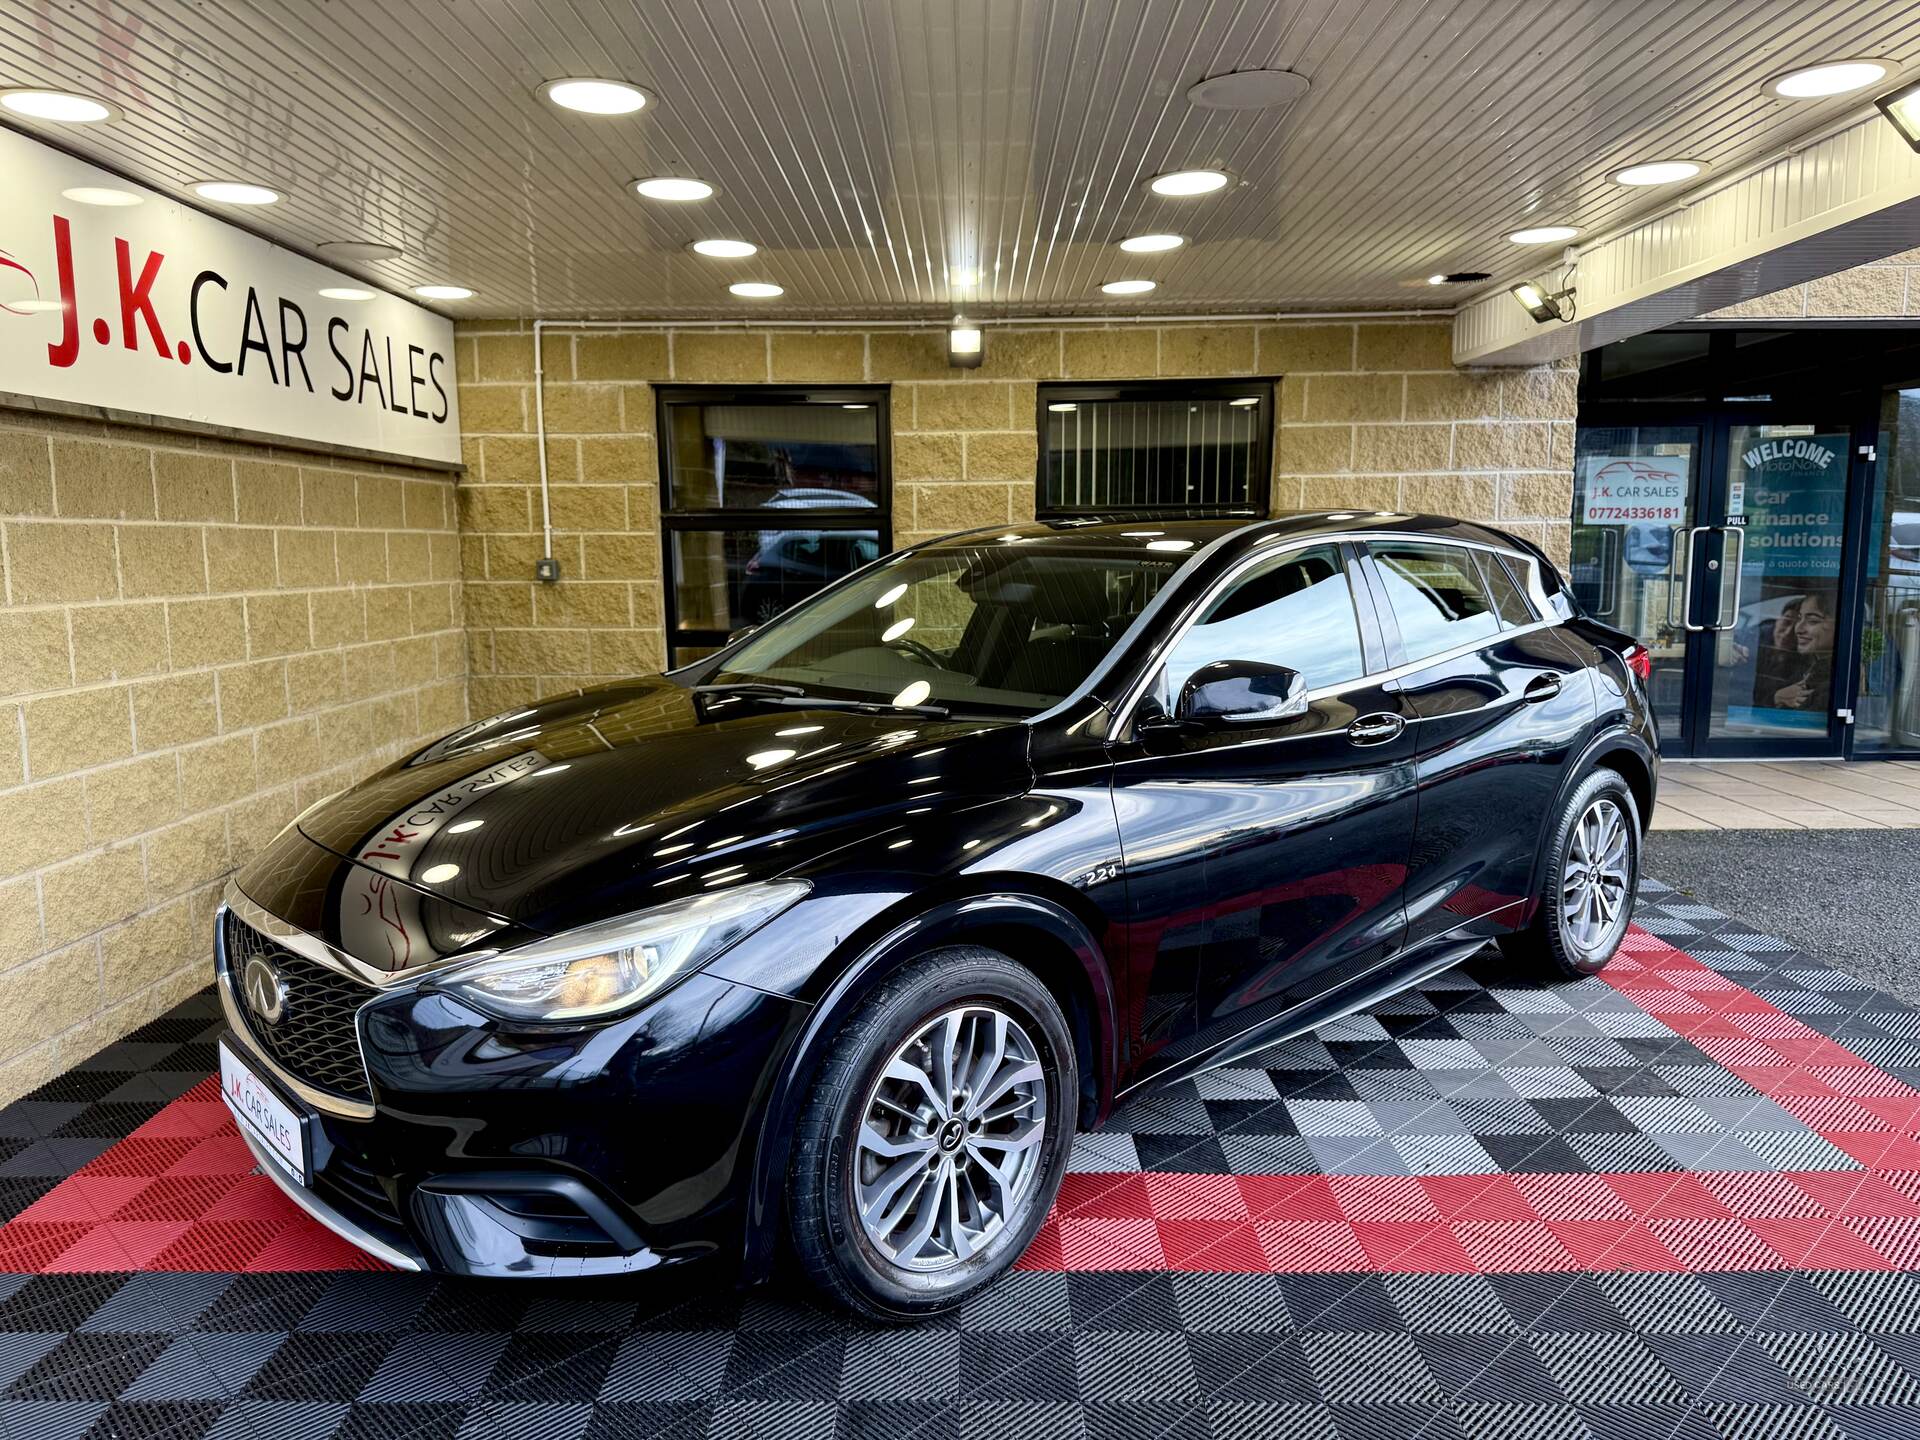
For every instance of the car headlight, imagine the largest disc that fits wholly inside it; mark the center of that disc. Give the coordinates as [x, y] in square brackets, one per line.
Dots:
[602, 969]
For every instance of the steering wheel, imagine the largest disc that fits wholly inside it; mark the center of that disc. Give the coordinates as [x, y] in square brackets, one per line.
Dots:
[918, 651]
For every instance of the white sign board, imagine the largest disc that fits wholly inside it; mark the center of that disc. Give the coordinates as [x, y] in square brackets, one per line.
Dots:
[156, 309]
[1633, 490]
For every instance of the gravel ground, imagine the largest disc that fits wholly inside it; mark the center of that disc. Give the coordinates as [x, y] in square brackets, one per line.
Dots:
[1849, 897]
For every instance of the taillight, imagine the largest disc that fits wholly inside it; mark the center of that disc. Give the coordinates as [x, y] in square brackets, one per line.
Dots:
[1640, 660]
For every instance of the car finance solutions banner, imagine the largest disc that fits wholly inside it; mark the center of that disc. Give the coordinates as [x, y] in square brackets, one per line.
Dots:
[156, 309]
[1790, 492]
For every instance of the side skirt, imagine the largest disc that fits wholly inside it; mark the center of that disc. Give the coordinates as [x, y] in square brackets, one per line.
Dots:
[1336, 1004]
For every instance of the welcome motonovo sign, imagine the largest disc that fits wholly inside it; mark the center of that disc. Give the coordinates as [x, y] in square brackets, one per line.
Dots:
[154, 309]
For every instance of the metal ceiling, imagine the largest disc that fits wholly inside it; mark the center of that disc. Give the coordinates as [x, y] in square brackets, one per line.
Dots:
[870, 147]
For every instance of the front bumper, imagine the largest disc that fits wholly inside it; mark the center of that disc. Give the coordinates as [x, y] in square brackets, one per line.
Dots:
[493, 1152]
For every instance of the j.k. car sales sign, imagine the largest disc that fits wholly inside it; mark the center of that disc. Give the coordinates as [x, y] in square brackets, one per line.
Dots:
[156, 309]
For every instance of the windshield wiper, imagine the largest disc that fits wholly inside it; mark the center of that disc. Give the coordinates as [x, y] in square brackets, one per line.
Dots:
[750, 687]
[795, 696]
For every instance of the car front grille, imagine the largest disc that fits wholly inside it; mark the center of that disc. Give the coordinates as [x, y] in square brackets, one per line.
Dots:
[314, 1040]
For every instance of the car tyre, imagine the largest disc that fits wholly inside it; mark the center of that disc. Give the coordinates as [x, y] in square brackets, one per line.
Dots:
[1588, 884]
[877, 1142]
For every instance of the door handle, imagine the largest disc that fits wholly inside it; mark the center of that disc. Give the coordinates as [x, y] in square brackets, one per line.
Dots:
[1725, 617]
[1375, 729]
[1686, 606]
[1541, 687]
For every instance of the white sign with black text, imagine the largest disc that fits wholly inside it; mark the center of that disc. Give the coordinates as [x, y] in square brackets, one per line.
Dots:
[154, 308]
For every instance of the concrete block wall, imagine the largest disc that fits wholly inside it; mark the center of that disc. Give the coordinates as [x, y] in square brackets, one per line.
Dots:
[197, 639]
[1371, 415]
[1880, 290]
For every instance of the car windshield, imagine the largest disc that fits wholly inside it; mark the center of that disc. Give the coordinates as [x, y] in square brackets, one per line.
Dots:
[1006, 628]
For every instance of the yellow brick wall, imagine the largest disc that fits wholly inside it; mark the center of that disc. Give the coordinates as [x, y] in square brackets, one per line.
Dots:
[197, 639]
[1879, 290]
[1371, 414]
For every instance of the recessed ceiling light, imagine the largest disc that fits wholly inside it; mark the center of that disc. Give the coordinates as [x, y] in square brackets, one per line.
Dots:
[1544, 234]
[1836, 77]
[673, 187]
[594, 97]
[1658, 172]
[1063, 407]
[101, 195]
[1248, 90]
[1152, 244]
[235, 192]
[438, 874]
[1188, 182]
[1127, 287]
[345, 292]
[32, 307]
[725, 249]
[363, 250]
[756, 290]
[57, 105]
[1244, 401]
[1169, 544]
[443, 292]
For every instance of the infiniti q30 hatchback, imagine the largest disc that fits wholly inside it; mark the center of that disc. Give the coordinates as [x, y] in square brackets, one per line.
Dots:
[827, 944]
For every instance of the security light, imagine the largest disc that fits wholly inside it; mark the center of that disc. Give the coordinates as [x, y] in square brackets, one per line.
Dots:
[1540, 305]
[1902, 107]
[965, 347]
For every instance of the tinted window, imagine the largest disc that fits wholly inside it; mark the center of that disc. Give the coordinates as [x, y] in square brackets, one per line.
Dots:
[1508, 603]
[1437, 596]
[1295, 611]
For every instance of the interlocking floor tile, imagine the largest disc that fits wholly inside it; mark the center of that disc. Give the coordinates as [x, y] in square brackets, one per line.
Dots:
[1677, 1202]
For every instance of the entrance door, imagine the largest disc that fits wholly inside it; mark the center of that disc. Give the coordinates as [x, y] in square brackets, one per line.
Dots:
[1764, 609]
[1720, 544]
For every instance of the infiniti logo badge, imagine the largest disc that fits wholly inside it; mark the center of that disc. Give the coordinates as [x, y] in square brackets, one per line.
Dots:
[265, 989]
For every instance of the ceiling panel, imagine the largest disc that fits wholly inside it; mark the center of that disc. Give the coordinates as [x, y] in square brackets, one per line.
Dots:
[872, 147]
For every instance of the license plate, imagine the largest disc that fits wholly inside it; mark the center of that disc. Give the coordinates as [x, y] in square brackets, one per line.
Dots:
[276, 1126]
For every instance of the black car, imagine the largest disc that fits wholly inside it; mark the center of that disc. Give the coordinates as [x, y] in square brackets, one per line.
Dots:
[830, 942]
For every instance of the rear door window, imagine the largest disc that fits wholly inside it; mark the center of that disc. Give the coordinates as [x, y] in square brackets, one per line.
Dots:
[1438, 598]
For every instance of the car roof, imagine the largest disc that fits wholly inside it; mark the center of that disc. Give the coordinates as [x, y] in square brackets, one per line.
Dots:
[1103, 531]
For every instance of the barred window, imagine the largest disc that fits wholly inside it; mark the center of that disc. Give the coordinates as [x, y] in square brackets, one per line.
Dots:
[1203, 447]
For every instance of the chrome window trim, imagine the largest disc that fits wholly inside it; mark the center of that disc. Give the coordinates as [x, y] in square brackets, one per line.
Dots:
[1124, 711]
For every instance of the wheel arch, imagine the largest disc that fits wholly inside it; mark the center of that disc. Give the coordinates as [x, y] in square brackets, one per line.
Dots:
[1038, 930]
[1615, 748]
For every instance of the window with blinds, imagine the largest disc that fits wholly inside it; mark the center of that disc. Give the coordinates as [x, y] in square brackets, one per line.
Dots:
[1201, 447]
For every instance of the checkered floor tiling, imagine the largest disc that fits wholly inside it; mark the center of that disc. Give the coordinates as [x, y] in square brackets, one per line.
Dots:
[1679, 1201]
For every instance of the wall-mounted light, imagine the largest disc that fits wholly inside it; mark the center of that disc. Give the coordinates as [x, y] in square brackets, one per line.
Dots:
[1902, 107]
[1541, 305]
[965, 347]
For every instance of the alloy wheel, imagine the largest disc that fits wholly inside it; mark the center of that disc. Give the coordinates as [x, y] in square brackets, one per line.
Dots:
[1597, 875]
[949, 1148]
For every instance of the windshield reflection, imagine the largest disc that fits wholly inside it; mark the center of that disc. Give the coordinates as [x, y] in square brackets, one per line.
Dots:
[1011, 626]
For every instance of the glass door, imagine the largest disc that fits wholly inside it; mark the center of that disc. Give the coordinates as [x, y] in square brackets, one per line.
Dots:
[1887, 703]
[1633, 507]
[1721, 544]
[1764, 561]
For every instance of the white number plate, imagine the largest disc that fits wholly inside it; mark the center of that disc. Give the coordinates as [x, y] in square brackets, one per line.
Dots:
[264, 1116]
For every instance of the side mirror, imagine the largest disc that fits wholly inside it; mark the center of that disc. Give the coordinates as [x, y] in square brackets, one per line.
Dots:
[1241, 692]
[734, 636]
